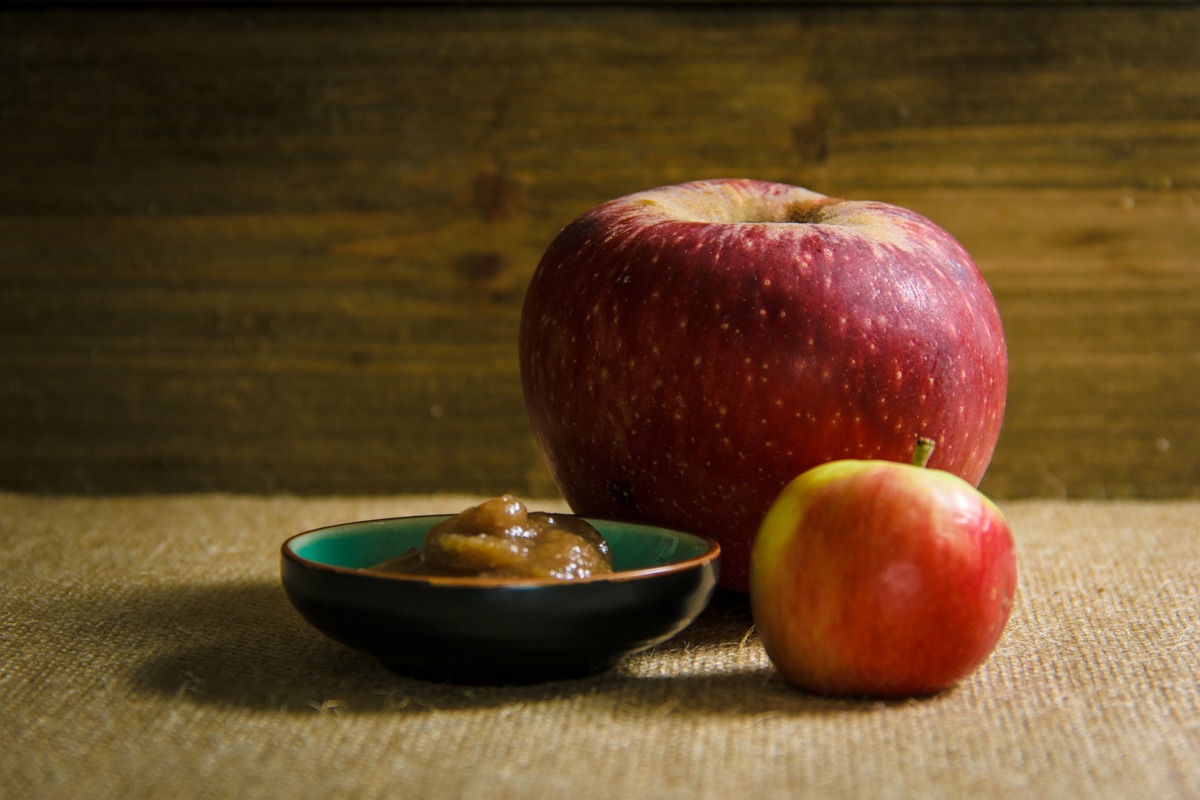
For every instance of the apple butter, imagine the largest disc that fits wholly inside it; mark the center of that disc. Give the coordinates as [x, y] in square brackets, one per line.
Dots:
[502, 538]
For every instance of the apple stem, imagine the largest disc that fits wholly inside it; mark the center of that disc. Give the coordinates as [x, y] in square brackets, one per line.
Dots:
[923, 451]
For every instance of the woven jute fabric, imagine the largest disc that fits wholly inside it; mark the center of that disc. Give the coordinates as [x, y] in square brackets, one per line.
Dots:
[147, 650]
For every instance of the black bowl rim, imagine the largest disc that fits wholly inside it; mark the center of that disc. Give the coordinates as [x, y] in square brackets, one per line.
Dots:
[469, 582]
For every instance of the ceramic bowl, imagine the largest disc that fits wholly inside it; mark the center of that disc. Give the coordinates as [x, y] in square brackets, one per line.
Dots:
[494, 630]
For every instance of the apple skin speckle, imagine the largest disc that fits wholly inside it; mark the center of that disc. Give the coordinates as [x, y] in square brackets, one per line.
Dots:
[845, 335]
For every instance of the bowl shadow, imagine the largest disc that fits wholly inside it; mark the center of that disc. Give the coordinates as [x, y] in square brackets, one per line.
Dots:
[242, 645]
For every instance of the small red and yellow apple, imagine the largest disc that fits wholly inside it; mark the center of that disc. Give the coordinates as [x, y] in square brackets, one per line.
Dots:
[882, 579]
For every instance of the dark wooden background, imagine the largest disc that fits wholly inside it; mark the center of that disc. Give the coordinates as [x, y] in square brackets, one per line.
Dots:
[282, 247]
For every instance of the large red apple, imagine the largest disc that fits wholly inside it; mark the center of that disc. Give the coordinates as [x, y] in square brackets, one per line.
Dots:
[881, 579]
[686, 351]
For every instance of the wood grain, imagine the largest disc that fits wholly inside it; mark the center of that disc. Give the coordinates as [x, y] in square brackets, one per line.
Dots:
[283, 248]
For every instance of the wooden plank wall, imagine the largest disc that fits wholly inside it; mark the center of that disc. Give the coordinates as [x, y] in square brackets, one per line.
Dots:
[282, 248]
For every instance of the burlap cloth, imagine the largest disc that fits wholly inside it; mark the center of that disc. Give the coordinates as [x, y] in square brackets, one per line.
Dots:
[147, 650]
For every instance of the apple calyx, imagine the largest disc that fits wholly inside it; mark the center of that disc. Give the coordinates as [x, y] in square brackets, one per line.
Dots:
[804, 213]
[923, 451]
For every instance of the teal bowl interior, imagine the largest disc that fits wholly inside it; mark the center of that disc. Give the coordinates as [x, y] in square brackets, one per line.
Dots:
[358, 545]
[496, 630]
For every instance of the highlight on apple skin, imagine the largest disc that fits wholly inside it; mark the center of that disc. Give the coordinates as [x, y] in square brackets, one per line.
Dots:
[688, 350]
[873, 578]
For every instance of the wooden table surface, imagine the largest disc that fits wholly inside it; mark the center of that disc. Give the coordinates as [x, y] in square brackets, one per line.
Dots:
[283, 246]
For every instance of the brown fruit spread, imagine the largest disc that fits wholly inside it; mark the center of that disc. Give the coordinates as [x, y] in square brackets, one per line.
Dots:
[501, 538]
